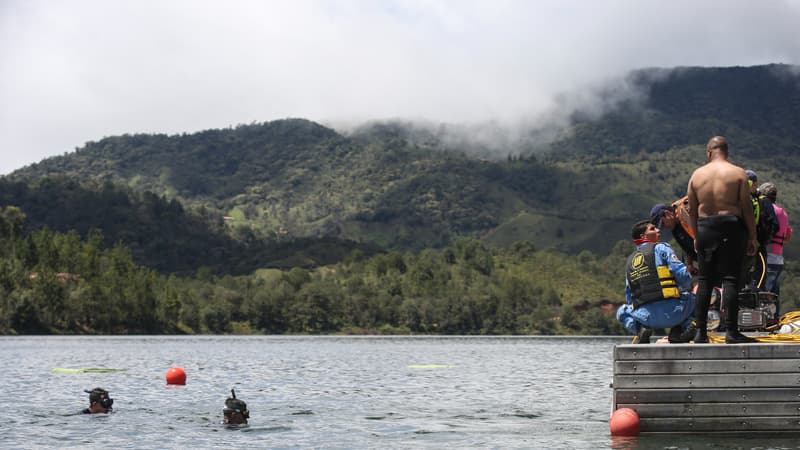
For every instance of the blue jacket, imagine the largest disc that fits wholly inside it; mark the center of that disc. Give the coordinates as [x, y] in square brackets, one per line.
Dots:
[665, 256]
[662, 313]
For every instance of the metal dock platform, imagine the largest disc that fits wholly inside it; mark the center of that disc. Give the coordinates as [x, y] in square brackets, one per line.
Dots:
[707, 388]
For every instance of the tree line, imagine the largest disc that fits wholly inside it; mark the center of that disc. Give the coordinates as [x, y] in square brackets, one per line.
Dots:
[59, 283]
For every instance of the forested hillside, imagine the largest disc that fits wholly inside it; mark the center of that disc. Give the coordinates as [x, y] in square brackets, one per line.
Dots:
[291, 226]
[295, 178]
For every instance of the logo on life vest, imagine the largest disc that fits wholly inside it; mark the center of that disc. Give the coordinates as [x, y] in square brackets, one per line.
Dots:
[638, 260]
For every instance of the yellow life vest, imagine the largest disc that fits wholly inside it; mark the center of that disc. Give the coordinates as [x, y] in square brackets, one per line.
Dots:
[648, 282]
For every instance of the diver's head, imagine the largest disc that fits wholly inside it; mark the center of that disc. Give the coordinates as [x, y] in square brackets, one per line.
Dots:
[99, 401]
[235, 411]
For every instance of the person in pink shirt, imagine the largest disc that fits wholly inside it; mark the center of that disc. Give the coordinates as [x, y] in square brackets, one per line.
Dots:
[775, 248]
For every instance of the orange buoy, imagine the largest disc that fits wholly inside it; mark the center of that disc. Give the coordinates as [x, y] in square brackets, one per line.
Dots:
[176, 375]
[624, 422]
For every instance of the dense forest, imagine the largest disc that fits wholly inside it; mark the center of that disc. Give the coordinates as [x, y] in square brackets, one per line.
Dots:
[54, 282]
[290, 226]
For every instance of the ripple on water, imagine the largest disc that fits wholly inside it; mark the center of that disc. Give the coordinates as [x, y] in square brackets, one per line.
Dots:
[318, 392]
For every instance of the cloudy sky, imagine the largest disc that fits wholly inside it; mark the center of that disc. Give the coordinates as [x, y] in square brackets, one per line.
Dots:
[79, 70]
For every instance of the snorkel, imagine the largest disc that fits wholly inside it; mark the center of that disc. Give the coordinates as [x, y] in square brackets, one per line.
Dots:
[235, 411]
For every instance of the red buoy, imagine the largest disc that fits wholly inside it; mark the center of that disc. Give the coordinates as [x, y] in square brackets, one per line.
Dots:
[176, 375]
[624, 422]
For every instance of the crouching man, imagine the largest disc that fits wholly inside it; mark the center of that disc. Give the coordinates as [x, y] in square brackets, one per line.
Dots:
[657, 289]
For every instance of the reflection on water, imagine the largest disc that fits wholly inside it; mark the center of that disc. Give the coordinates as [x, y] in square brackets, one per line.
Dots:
[322, 392]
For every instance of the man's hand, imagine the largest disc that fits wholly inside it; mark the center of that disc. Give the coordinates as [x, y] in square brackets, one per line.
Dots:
[690, 265]
[752, 247]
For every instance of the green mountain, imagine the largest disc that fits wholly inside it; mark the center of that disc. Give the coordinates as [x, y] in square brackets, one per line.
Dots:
[160, 233]
[389, 185]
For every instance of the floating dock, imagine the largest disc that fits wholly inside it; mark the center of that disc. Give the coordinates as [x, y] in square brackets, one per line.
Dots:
[708, 388]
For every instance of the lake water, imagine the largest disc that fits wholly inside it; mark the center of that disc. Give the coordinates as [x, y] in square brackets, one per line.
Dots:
[323, 392]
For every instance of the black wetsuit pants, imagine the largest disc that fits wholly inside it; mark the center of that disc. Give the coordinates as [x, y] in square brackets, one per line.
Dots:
[721, 246]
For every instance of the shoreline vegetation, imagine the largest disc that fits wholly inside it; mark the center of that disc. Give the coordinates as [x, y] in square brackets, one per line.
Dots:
[58, 283]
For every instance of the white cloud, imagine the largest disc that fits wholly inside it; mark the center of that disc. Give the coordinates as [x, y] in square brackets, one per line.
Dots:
[80, 70]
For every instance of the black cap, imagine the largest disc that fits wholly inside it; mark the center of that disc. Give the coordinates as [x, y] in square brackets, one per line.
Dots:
[657, 213]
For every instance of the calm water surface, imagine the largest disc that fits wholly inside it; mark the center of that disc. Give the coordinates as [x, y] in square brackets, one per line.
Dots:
[323, 392]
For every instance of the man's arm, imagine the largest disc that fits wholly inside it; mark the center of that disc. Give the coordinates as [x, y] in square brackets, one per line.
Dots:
[690, 265]
[787, 235]
[746, 204]
[693, 205]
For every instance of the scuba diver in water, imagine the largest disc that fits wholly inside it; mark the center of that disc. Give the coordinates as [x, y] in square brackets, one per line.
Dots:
[99, 402]
[657, 289]
[235, 411]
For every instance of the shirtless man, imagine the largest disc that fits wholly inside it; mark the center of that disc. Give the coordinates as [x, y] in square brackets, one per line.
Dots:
[722, 219]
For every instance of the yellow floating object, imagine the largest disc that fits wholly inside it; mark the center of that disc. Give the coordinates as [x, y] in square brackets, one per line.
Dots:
[86, 370]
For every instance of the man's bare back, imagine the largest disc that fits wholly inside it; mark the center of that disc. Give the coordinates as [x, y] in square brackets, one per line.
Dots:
[720, 188]
[717, 187]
